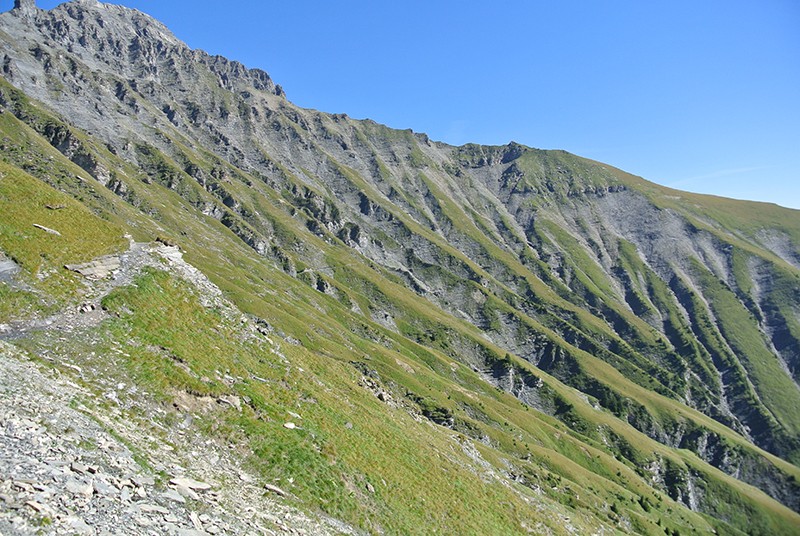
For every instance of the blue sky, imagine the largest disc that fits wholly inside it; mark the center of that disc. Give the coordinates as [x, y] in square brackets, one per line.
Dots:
[698, 95]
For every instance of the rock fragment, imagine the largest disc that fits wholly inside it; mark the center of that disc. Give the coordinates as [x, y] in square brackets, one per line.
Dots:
[105, 489]
[142, 481]
[38, 507]
[195, 519]
[47, 229]
[233, 401]
[79, 468]
[79, 526]
[190, 484]
[150, 508]
[76, 487]
[173, 495]
[275, 489]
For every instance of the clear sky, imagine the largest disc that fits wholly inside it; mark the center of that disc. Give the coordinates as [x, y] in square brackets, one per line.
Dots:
[698, 95]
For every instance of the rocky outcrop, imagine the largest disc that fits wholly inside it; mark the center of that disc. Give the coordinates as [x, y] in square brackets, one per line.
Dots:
[98, 268]
[8, 269]
[25, 8]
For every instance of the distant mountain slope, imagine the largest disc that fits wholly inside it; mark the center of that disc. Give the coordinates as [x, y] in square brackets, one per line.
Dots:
[654, 330]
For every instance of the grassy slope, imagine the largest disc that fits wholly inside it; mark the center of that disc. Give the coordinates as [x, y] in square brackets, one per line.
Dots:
[740, 223]
[330, 460]
[763, 371]
[734, 222]
[24, 203]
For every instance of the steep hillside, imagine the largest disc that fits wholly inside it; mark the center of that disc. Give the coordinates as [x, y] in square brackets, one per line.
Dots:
[477, 339]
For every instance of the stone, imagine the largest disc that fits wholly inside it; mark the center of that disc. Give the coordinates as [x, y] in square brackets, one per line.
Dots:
[104, 488]
[79, 526]
[173, 495]
[77, 487]
[149, 508]
[233, 401]
[47, 229]
[193, 517]
[97, 269]
[79, 468]
[172, 253]
[187, 493]
[141, 480]
[23, 486]
[290, 425]
[143, 521]
[190, 483]
[8, 268]
[39, 507]
[275, 489]
[191, 532]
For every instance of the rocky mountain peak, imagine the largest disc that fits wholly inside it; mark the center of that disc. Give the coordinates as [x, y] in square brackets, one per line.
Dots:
[114, 42]
[26, 7]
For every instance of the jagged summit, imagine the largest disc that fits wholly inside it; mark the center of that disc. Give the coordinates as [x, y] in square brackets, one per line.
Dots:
[124, 50]
[114, 34]
[26, 7]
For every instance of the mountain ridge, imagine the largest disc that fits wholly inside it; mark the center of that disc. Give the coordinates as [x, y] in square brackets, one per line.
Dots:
[598, 279]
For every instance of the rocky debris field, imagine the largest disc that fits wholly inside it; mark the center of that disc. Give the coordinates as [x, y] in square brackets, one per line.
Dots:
[63, 472]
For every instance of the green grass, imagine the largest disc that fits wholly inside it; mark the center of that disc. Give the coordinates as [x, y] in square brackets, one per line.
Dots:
[16, 304]
[41, 255]
[332, 463]
[24, 202]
